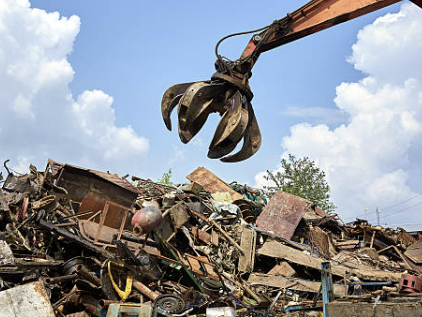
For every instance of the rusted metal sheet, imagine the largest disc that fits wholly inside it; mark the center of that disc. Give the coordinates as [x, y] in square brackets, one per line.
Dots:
[115, 179]
[89, 230]
[79, 182]
[94, 190]
[115, 213]
[29, 300]
[283, 213]
[414, 252]
[212, 183]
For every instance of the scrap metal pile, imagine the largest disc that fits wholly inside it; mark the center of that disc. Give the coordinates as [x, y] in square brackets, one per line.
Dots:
[79, 242]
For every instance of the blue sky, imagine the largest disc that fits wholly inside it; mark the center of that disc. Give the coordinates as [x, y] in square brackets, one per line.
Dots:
[134, 50]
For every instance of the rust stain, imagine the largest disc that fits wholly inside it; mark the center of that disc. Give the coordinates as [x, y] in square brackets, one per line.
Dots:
[283, 213]
[211, 182]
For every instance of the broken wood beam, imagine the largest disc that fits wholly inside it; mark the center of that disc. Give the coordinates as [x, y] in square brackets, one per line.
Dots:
[278, 250]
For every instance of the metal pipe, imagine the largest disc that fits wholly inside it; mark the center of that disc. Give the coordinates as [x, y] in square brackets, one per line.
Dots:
[82, 271]
[145, 290]
[60, 279]
[104, 303]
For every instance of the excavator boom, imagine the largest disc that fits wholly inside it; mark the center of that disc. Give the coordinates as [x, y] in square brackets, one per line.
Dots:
[228, 91]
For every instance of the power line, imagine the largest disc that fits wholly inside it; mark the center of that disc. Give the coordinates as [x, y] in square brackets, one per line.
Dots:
[399, 211]
[405, 224]
[402, 202]
[387, 207]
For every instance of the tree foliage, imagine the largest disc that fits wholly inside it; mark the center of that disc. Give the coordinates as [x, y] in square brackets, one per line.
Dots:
[301, 177]
[166, 179]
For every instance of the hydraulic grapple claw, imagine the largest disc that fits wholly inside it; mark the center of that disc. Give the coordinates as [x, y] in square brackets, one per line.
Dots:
[170, 100]
[196, 101]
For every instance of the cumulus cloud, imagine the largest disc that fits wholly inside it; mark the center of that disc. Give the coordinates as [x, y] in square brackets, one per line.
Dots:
[316, 114]
[39, 116]
[369, 160]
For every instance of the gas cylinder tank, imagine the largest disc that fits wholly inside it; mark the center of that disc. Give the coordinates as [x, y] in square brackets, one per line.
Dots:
[146, 219]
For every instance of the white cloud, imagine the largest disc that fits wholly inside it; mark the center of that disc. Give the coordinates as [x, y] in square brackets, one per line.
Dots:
[39, 117]
[316, 114]
[368, 160]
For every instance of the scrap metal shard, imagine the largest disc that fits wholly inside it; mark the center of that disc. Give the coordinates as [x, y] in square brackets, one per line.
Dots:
[211, 182]
[414, 252]
[29, 300]
[283, 213]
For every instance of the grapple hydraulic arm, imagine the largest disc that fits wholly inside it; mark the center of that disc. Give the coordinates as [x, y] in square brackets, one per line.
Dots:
[228, 91]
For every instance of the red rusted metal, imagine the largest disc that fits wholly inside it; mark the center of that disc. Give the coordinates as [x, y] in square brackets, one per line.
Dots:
[211, 182]
[283, 213]
[410, 284]
[147, 219]
[97, 191]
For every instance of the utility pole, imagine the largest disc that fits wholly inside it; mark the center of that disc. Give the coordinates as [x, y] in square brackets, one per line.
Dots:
[378, 216]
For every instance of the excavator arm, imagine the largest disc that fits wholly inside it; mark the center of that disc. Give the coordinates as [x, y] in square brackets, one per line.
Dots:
[228, 91]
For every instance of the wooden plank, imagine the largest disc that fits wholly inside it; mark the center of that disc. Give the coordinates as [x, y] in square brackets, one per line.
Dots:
[278, 250]
[283, 269]
[291, 283]
[346, 243]
[212, 183]
[247, 243]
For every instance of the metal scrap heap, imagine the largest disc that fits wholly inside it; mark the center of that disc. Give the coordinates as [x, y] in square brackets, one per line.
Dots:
[79, 242]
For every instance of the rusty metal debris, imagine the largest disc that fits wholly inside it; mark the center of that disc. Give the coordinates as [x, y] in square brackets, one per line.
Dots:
[79, 242]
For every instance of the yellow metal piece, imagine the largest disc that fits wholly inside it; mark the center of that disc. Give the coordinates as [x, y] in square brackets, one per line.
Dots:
[120, 268]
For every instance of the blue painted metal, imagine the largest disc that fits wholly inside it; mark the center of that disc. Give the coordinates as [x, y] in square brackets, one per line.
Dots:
[372, 283]
[327, 286]
[298, 307]
[293, 308]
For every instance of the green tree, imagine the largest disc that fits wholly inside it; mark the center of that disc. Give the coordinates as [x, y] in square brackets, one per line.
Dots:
[301, 177]
[166, 179]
